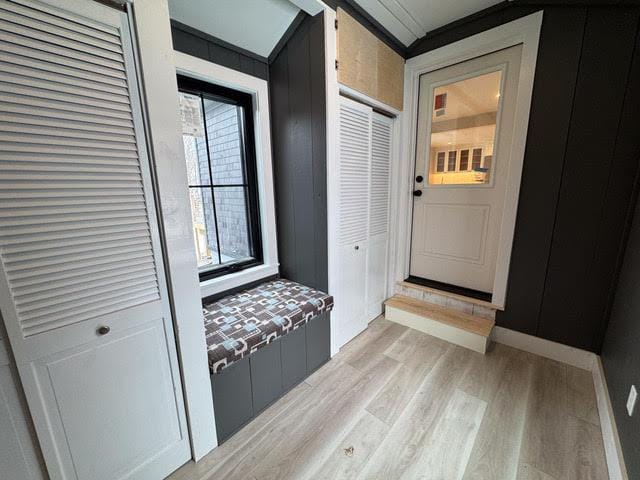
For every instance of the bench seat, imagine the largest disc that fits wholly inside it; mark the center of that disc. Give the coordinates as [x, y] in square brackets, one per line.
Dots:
[240, 324]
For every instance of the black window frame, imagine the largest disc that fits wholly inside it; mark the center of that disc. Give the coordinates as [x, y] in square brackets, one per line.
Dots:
[244, 100]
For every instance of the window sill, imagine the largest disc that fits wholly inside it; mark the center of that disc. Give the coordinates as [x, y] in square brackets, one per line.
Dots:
[234, 280]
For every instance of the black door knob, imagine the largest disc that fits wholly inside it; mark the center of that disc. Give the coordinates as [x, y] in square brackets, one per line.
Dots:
[417, 193]
[103, 330]
[419, 179]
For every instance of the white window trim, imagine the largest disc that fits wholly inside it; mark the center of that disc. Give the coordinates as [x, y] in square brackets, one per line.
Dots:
[216, 74]
[525, 31]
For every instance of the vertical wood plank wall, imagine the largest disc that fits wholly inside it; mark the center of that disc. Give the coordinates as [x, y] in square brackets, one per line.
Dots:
[198, 44]
[297, 90]
[579, 169]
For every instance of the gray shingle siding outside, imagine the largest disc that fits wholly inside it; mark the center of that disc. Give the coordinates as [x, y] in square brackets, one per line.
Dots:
[226, 165]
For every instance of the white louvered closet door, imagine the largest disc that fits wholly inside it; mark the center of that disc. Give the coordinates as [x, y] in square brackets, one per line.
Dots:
[82, 286]
[378, 238]
[354, 154]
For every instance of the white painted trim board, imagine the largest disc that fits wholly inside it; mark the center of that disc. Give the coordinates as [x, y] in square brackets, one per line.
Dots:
[259, 89]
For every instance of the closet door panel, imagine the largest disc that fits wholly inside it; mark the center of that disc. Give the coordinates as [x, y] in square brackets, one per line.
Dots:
[354, 153]
[82, 285]
[381, 143]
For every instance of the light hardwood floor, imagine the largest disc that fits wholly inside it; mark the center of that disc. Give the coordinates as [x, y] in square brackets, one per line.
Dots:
[397, 403]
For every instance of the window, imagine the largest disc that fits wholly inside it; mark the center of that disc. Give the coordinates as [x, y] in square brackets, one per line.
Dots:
[463, 123]
[440, 166]
[476, 162]
[218, 137]
[464, 160]
[451, 167]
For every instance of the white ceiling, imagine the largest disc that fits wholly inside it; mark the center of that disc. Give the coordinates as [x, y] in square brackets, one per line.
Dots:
[409, 20]
[255, 25]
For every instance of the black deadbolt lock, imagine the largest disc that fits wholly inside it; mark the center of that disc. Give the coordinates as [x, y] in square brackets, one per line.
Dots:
[419, 179]
[417, 193]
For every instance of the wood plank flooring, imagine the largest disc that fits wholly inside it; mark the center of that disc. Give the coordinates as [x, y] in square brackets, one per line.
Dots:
[396, 403]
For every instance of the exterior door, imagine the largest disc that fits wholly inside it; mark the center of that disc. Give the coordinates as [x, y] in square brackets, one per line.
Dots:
[82, 286]
[465, 124]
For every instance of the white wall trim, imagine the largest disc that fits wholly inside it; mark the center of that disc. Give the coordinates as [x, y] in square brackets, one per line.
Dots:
[332, 114]
[612, 447]
[525, 31]
[545, 348]
[160, 97]
[372, 102]
[586, 361]
[259, 89]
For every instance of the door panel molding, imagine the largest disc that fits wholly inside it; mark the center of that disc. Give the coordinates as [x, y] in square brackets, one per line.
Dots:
[524, 31]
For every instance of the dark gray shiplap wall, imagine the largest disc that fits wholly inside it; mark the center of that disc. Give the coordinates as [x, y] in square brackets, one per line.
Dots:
[297, 90]
[579, 169]
[621, 350]
[198, 44]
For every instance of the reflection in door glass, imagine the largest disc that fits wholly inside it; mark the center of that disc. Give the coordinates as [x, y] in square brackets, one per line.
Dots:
[463, 129]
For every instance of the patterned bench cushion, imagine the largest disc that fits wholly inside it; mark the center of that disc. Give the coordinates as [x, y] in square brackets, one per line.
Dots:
[240, 324]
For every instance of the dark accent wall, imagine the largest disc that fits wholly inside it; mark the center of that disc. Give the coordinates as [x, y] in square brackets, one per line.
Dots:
[621, 350]
[297, 91]
[198, 44]
[580, 163]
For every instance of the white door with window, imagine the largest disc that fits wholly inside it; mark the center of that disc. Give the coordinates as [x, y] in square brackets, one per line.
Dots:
[82, 285]
[465, 124]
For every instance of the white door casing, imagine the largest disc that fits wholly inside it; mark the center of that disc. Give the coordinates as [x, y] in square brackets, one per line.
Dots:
[19, 455]
[456, 227]
[525, 31]
[82, 285]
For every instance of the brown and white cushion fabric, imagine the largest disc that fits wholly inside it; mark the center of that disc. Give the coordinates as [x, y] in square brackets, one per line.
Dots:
[240, 324]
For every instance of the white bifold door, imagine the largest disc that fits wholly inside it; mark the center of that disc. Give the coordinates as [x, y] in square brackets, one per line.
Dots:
[82, 284]
[364, 162]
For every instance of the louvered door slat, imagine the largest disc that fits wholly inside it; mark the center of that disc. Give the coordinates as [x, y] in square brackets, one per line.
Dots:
[380, 171]
[74, 221]
[354, 152]
[15, 57]
[37, 21]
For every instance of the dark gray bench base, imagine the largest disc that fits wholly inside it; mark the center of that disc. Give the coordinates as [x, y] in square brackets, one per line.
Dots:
[245, 388]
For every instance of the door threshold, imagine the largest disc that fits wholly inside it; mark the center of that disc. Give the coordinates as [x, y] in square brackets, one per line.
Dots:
[465, 294]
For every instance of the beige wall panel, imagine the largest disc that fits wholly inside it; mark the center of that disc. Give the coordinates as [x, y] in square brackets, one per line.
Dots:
[367, 64]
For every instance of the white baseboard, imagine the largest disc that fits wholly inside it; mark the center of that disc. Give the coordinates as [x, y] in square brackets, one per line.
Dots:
[545, 348]
[587, 361]
[612, 447]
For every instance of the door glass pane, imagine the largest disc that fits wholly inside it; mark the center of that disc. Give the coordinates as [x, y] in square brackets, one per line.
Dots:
[463, 125]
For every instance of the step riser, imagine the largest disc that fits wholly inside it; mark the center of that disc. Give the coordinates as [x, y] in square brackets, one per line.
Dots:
[421, 293]
[451, 334]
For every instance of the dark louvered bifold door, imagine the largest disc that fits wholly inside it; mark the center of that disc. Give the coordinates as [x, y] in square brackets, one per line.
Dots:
[82, 286]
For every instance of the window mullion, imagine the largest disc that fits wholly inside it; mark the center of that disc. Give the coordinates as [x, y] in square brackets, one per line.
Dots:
[213, 195]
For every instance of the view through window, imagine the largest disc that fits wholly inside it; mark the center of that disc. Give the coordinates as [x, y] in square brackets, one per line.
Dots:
[217, 128]
[463, 129]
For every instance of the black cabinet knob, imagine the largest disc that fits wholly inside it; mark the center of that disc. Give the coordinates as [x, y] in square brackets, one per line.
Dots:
[357, 247]
[417, 193]
[103, 330]
[419, 179]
